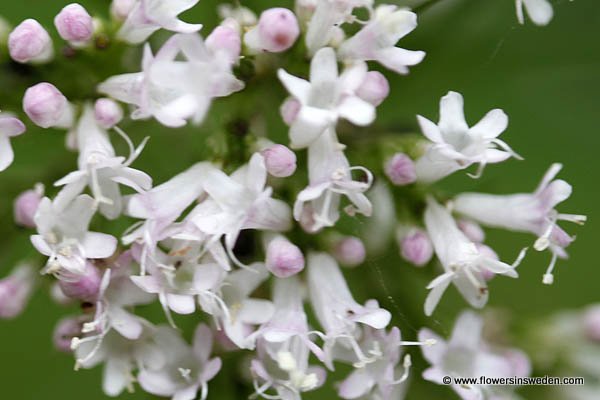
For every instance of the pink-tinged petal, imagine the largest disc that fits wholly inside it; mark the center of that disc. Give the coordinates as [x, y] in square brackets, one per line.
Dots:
[434, 354]
[467, 331]
[98, 245]
[556, 192]
[11, 126]
[211, 369]
[116, 376]
[6, 152]
[187, 393]
[40, 245]
[202, 343]
[125, 323]
[434, 374]
[398, 60]
[181, 304]
[147, 283]
[452, 117]
[357, 111]
[357, 384]
[430, 130]
[158, 383]
[491, 125]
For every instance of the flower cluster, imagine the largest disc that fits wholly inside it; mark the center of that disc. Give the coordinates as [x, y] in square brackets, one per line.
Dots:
[182, 250]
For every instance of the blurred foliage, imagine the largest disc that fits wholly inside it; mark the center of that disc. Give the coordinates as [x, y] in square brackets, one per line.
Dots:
[546, 79]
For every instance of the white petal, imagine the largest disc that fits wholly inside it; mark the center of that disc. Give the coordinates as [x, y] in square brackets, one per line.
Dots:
[540, 11]
[299, 88]
[309, 124]
[323, 67]
[452, 116]
[398, 59]
[430, 130]
[98, 245]
[6, 152]
[357, 111]
[181, 304]
[491, 125]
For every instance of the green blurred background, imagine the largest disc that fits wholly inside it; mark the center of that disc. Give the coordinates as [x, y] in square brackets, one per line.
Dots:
[546, 78]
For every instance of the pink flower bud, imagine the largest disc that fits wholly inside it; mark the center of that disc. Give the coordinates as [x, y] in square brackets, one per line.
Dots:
[374, 89]
[120, 9]
[225, 38]
[15, 291]
[26, 205]
[472, 230]
[518, 360]
[83, 287]
[289, 110]
[416, 247]
[350, 251]
[280, 161]
[487, 251]
[591, 323]
[29, 41]
[108, 113]
[284, 259]
[64, 332]
[277, 30]
[400, 169]
[74, 24]
[47, 107]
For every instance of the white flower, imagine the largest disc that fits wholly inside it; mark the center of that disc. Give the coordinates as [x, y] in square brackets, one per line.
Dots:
[148, 16]
[330, 177]
[463, 263]
[456, 146]
[101, 169]
[376, 41]
[327, 97]
[63, 236]
[337, 311]
[240, 201]
[173, 91]
[9, 127]
[187, 369]
[540, 11]
[527, 212]
[467, 355]
[328, 16]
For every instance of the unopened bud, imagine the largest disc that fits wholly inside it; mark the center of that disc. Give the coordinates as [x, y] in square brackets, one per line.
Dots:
[29, 42]
[284, 259]
[26, 205]
[416, 247]
[277, 31]
[279, 160]
[350, 251]
[107, 112]
[374, 89]
[47, 107]
[64, 332]
[225, 38]
[591, 323]
[289, 110]
[400, 169]
[74, 24]
[83, 287]
[120, 9]
[15, 291]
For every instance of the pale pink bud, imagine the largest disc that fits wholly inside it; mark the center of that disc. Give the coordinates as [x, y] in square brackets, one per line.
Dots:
[374, 89]
[74, 24]
[472, 230]
[26, 205]
[29, 41]
[46, 106]
[350, 251]
[15, 291]
[83, 287]
[225, 38]
[416, 247]
[289, 110]
[108, 113]
[518, 360]
[64, 332]
[400, 169]
[488, 252]
[284, 259]
[120, 9]
[277, 30]
[591, 323]
[280, 161]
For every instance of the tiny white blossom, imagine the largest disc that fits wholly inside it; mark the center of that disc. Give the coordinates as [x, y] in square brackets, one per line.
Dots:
[540, 11]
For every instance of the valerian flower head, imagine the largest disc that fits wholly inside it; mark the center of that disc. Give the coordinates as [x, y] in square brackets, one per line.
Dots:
[64, 238]
[376, 41]
[465, 354]
[327, 97]
[101, 169]
[9, 127]
[539, 11]
[173, 91]
[462, 261]
[148, 16]
[455, 146]
[527, 212]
